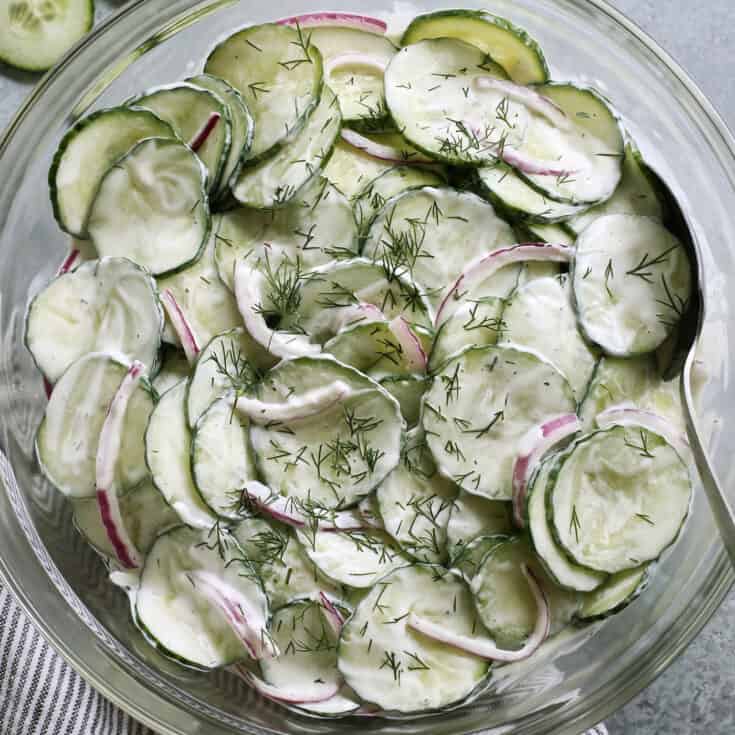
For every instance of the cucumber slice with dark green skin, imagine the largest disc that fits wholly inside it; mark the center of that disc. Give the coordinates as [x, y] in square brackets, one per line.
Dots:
[67, 440]
[36, 35]
[109, 305]
[377, 650]
[408, 391]
[152, 207]
[277, 180]
[174, 368]
[632, 281]
[469, 556]
[619, 498]
[615, 595]
[505, 43]
[279, 73]
[199, 117]
[480, 404]
[350, 170]
[85, 154]
[367, 426]
[472, 517]
[560, 233]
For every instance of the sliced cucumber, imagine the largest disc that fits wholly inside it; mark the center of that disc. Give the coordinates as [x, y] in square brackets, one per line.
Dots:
[541, 318]
[413, 230]
[36, 35]
[278, 72]
[469, 556]
[408, 391]
[387, 663]
[168, 457]
[146, 514]
[619, 498]
[315, 228]
[199, 117]
[559, 233]
[471, 517]
[221, 459]
[152, 207]
[66, 444]
[209, 306]
[241, 127]
[178, 619]
[480, 404]
[231, 361]
[354, 61]
[565, 573]
[174, 367]
[277, 180]
[350, 170]
[505, 43]
[109, 305]
[339, 455]
[415, 502]
[616, 594]
[632, 282]
[85, 154]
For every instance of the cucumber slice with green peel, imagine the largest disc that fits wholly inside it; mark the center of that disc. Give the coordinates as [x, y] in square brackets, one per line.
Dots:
[152, 207]
[353, 558]
[365, 427]
[35, 35]
[469, 556]
[241, 127]
[146, 514]
[85, 154]
[279, 73]
[635, 381]
[409, 392]
[472, 517]
[66, 443]
[350, 170]
[354, 63]
[207, 303]
[632, 282]
[558, 233]
[221, 458]
[231, 361]
[556, 563]
[505, 43]
[278, 179]
[540, 317]
[316, 227]
[175, 613]
[619, 498]
[434, 95]
[174, 368]
[415, 502]
[389, 184]
[412, 231]
[109, 305]
[636, 194]
[377, 650]
[479, 406]
[615, 595]
[505, 604]
[199, 117]
[168, 457]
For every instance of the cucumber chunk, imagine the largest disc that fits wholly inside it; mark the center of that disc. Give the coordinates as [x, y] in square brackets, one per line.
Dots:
[35, 35]
[365, 427]
[152, 207]
[615, 595]
[279, 73]
[619, 498]
[109, 305]
[632, 282]
[66, 444]
[377, 650]
[478, 407]
[85, 154]
[277, 180]
[505, 43]
[168, 457]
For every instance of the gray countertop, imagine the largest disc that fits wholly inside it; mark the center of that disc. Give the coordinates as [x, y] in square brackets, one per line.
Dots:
[696, 694]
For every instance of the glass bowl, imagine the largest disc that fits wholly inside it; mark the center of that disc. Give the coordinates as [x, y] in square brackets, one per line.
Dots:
[581, 677]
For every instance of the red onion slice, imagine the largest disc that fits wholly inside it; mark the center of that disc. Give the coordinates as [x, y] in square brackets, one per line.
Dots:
[486, 647]
[347, 20]
[181, 325]
[413, 353]
[201, 137]
[486, 265]
[532, 447]
[69, 263]
[534, 166]
[331, 613]
[108, 452]
[316, 693]
[380, 150]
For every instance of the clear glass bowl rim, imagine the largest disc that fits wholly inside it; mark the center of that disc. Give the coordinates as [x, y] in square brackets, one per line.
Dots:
[566, 722]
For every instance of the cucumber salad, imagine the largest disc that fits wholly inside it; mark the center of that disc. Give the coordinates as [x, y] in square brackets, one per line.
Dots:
[359, 367]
